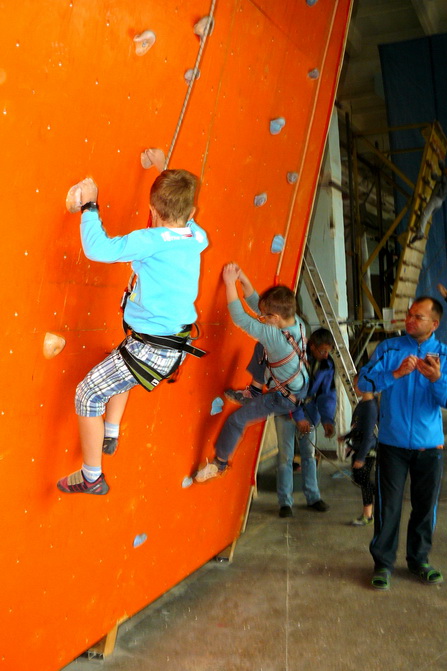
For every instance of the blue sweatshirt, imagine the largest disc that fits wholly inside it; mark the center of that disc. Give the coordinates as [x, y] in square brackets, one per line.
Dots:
[274, 341]
[410, 407]
[321, 397]
[167, 263]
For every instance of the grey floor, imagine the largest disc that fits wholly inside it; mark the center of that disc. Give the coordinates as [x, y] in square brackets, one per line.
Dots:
[295, 598]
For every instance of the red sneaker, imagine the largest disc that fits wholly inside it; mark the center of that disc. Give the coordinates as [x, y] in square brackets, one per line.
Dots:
[77, 484]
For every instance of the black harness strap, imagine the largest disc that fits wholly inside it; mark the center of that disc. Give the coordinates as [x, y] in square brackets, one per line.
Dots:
[146, 376]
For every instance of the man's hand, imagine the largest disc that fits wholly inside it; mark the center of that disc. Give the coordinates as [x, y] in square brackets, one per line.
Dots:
[407, 366]
[430, 367]
[89, 191]
[329, 429]
[303, 426]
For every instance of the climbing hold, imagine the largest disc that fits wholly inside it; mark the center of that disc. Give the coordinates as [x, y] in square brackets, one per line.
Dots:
[260, 199]
[139, 540]
[52, 345]
[313, 74]
[144, 42]
[73, 199]
[311, 3]
[187, 482]
[216, 406]
[201, 26]
[292, 177]
[189, 74]
[276, 125]
[153, 156]
[277, 244]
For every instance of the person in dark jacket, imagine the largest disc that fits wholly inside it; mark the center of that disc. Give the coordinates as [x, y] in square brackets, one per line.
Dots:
[361, 443]
[410, 371]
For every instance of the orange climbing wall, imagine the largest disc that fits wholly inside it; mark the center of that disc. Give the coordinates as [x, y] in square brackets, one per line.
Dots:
[76, 100]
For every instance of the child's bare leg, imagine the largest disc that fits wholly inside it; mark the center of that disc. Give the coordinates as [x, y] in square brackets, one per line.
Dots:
[91, 433]
[115, 408]
[368, 511]
[114, 412]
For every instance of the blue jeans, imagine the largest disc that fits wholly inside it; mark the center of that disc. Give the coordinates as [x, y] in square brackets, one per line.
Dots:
[272, 403]
[285, 431]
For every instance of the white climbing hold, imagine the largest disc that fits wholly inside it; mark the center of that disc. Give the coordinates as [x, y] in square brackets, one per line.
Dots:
[292, 177]
[153, 156]
[73, 199]
[189, 74]
[260, 199]
[187, 482]
[276, 125]
[144, 42]
[201, 26]
[52, 345]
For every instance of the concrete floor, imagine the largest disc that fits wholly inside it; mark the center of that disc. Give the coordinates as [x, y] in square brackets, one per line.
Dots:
[295, 598]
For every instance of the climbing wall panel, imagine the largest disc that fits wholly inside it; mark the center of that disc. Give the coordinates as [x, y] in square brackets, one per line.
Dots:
[76, 100]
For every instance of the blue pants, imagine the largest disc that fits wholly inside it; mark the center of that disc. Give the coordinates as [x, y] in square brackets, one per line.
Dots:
[393, 466]
[272, 403]
[285, 432]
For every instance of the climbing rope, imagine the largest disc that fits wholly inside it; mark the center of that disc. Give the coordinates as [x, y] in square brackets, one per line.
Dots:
[203, 40]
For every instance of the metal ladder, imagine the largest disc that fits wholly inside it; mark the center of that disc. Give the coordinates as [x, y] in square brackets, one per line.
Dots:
[343, 361]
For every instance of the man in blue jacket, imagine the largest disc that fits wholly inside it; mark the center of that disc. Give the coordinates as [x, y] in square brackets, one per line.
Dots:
[319, 406]
[411, 373]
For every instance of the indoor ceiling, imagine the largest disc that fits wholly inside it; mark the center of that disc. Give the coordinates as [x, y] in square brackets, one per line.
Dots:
[377, 22]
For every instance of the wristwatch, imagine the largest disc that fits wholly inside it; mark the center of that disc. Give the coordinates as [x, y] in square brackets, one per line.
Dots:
[89, 206]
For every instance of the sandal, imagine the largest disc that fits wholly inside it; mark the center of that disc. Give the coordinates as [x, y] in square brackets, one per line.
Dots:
[381, 579]
[427, 574]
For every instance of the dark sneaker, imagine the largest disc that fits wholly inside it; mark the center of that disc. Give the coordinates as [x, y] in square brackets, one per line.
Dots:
[320, 506]
[77, 484]
[109, 445]
[239, 396]
[285, 511]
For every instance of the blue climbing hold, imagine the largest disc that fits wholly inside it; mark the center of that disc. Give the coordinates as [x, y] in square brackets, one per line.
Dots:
[313, 74]
[260, 199]
[292, 177]
[139, 540]
[277, 244]
[311, 3]
[276, 125]
[216, 406]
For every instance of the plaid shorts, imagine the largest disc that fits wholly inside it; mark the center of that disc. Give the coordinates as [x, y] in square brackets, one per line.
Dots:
[111, 376]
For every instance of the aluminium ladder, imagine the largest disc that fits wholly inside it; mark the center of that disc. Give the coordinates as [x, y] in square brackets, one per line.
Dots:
[343, 361]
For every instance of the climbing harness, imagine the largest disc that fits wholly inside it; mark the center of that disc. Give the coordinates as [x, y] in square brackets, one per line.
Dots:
[147, 376]
[281, 386]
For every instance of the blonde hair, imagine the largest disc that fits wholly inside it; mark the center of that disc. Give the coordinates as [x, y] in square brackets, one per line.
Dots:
[173, 193]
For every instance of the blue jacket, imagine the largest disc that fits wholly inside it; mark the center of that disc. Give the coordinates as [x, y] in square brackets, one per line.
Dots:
[321, 399]
[410, 407]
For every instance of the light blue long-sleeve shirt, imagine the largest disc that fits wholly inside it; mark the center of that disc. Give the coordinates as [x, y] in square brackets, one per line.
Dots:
[167, 264]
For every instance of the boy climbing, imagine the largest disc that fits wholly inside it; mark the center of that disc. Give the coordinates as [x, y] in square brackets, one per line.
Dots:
[280, 332]
[160, 313]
